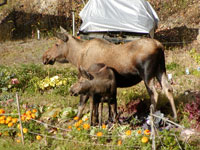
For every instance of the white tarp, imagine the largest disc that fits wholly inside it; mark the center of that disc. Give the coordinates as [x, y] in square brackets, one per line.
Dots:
[118, 15]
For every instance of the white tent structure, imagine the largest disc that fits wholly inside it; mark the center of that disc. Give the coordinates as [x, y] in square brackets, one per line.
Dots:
[135, 16]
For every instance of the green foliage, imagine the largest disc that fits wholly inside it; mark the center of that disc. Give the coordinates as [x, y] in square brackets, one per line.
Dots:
[172, 66]
[195, 55]
[34, 78]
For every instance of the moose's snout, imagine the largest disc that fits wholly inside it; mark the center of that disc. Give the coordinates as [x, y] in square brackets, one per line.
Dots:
[47, 60]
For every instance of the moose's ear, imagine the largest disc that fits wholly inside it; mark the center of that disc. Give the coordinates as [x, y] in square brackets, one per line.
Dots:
[85, 74]
[62, 36]
[62, 30]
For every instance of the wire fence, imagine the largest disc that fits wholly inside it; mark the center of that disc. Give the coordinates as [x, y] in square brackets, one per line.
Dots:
[154, 132]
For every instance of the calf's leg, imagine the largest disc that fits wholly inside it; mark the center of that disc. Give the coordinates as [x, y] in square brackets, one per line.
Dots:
[100, 112]
[82, 104]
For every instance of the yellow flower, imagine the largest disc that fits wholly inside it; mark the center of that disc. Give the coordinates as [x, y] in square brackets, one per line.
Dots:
[18, 141]
[28, 117]
[76, 118]
[2, 117]
[2, 121]
[19, 134]
[69, 127]
[128, 132]
[86, 126]
[119, 142]
[80, 121]
[14, 120]
[99, 134]
[38, 137]
[78, 129]
[2, 111]
[25, 130]
[10, 124]
[8, 119]
[147, 132]
[139, 131]
[23, 117]
[144, 139]
[77, 124]
[33, 116]
[28, 112]
[103, 126]
[18, 126]
[34, 110]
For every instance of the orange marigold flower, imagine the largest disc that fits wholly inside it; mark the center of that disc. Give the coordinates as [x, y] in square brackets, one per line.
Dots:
[14, 120]
[33, 116]
[23, 118]
[2, 121]
[144, 139]
[18, 141]
[85, 119]
[69, 127]
[139, 131]
[80, 121]
[2, 117]
[119, 142]
[2, 111]
[38, 137]
[99, 134]
[34, 110]
[76, 118]
[78, 129]
[28, 112]
[103, 126]
[10, 124]
[128, 132]
[28, 117]
[86, 126]
[147, 132]
[8, 119]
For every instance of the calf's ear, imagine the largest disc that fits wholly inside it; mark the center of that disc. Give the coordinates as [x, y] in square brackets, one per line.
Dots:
[62, 36]
[85, 74]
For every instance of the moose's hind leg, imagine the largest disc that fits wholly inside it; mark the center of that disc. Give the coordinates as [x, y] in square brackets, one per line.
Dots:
[168, 91]
[152, 92]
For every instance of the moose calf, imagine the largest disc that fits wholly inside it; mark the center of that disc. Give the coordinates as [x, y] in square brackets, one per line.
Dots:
[100, 85]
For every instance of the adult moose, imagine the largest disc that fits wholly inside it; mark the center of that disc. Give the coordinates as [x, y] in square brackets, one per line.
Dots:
[99, 83]
[138, 60]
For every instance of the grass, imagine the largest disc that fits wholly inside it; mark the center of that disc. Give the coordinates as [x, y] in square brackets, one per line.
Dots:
[29, 71]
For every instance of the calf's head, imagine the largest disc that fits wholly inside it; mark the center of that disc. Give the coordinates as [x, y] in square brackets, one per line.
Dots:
[84, 85]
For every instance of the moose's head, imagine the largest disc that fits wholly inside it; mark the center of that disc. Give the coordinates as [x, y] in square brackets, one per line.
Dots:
[59, 51]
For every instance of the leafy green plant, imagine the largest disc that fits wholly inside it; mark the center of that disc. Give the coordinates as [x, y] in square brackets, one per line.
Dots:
[195, 55]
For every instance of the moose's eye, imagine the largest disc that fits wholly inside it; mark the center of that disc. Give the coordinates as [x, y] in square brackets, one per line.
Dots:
[56, 45]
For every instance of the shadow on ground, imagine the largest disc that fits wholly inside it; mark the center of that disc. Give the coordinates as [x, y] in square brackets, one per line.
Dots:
[177, 37]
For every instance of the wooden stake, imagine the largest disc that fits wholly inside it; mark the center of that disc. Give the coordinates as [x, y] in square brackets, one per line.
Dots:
[152, 128]
[20, 121]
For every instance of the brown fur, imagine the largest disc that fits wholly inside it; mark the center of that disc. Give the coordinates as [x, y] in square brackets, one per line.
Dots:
[142, 59]
[99, 84]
